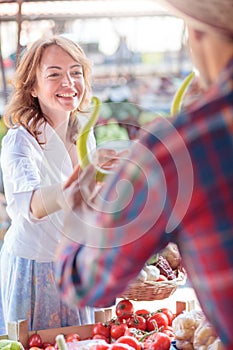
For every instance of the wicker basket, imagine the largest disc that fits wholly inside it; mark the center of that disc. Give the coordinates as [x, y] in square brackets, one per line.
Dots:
[152, 290]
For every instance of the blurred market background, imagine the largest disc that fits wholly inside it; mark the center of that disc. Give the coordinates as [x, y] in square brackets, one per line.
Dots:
[137, 49]
[139, 61]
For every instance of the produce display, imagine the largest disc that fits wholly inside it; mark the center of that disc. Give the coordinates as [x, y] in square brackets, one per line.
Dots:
[125, 114]
[159, 278]
[163, 266]
[112, 129]
[129, 329]
[193, 332]
[132, 329]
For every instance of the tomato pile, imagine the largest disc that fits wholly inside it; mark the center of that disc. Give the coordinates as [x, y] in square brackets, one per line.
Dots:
[35, 342]
[129, 330]
[140, 329]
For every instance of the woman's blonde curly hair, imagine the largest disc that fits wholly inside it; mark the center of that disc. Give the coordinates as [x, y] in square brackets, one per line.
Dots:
[24, 109]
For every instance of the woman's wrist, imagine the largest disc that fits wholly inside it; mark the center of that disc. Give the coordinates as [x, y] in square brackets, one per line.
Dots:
[46, 200]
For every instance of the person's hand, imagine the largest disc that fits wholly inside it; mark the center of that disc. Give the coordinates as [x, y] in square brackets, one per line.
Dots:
[78, 192]
[108, 159]
[81, 189]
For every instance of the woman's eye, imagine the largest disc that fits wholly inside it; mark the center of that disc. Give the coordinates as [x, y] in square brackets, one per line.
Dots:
[77, 73]
[53, 75]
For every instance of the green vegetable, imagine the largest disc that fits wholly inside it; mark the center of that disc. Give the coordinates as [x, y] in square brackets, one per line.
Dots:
[178, 98]
[82, 139]
[110, 132]
[153, 259]
[7, 344]
[61, 343]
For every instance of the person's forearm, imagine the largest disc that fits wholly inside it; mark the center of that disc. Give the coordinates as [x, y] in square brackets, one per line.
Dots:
[45, 200]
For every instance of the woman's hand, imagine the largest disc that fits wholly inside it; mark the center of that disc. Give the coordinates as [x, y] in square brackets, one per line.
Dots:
[108, 159]
[81, 189]
[78, 195]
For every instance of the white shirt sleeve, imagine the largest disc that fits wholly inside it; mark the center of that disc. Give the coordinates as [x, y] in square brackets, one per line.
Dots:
[20, 158]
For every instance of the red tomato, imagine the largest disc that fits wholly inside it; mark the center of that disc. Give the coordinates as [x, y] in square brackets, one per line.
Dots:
[131, 341]
[35, 341]
[138, 322]
[45, 344]
[157, 320]
[34, 348]
[120, 346]
[162, 278]
[157, 341]
[116, 320]
[101, 328]
[113, 321]
[134, 332]
[118, 330]
[100, 336]
[124, 308]
[142, 312]
[169, 333]
[169, 314]
[72, 337]
[50, 347]
[131, 331]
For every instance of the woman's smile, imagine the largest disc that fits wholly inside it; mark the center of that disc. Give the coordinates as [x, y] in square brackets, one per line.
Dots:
[60, 85]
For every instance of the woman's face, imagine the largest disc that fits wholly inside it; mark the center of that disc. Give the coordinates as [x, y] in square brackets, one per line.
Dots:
[60, 84]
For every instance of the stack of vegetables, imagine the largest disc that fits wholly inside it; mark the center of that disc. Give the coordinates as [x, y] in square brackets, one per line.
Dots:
[163, 266]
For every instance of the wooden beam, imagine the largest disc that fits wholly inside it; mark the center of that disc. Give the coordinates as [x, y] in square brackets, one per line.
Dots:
[19, 23]
[3, 71]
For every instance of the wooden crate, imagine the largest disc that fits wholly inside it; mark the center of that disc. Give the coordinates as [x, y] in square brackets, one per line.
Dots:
[19, 330]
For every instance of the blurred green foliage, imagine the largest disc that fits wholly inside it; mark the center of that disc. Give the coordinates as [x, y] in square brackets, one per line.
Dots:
[3, 130]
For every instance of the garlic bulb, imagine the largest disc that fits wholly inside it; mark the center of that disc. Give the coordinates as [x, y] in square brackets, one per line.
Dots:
[152, 272]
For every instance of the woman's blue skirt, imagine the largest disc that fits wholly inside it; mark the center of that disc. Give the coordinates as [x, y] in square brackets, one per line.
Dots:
[28, 291]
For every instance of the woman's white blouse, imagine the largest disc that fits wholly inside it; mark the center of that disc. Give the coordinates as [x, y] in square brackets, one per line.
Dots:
[27, 166]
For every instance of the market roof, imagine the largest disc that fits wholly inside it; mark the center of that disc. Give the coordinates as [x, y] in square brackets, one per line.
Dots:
[58, 9]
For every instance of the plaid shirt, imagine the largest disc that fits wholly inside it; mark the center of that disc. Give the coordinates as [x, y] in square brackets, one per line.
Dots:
[179, 188]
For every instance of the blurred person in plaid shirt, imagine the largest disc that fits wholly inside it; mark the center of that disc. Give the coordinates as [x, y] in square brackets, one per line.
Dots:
[176, 186]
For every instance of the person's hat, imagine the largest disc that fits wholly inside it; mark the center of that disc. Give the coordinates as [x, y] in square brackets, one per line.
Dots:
[204, 14]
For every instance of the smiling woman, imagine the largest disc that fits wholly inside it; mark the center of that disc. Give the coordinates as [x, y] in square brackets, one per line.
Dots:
[59, 87]
[52, 90]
